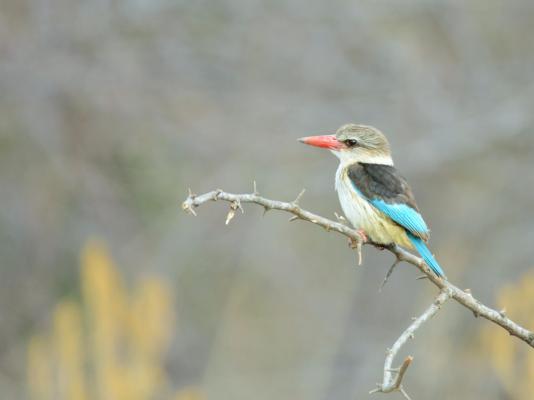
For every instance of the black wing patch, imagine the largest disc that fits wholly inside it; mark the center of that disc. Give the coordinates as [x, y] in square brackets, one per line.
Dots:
[382, 181]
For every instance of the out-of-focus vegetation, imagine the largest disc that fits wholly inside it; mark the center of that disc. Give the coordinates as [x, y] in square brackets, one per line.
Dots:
[111, 344]
[110, 110]
[512, 362]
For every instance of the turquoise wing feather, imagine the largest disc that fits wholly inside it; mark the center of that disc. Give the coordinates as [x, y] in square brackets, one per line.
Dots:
[403, 215]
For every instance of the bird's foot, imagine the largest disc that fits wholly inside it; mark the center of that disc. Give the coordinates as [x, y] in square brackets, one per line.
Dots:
[357, 244]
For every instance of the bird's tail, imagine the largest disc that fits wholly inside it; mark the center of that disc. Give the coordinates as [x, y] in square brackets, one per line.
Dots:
[425, 253]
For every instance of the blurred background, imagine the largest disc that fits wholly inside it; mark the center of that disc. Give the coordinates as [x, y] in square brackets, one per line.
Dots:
[111, 109]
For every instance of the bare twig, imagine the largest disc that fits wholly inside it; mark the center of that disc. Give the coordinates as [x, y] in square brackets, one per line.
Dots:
[447, 290]
[191, 203]
[392, 380]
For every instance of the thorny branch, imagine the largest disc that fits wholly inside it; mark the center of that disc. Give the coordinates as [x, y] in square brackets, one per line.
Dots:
[447, 290]
[392, 380]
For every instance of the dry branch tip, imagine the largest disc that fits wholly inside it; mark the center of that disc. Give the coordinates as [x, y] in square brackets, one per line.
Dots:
[188, 208]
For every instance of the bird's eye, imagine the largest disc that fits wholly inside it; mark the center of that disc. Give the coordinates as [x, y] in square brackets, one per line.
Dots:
[351, 142]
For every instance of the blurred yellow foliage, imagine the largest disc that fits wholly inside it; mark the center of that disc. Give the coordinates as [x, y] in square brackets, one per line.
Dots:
[511, 359]
[109, 347]
[188, 394]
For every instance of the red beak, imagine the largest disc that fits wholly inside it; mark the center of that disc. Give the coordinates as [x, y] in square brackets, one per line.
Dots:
[325, 141]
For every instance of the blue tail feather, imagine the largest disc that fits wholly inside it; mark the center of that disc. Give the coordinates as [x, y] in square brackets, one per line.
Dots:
[425, 253]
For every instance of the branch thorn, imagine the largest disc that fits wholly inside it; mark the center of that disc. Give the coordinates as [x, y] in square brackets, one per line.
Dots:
[234, 205]
[230, 216]
[340, 218]
[388, 274]
[297, 199]
[401, 389]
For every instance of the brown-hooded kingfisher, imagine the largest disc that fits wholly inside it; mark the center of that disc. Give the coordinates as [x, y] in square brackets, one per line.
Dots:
[375, 198]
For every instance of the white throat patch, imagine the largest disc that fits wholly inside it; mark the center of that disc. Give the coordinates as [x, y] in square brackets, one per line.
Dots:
[352, 157]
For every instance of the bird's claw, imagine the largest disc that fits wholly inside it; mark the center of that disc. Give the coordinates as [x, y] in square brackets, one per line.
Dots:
[363, 235]
[357, 244]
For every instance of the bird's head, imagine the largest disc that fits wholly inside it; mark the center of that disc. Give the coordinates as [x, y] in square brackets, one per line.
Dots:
[355, 143]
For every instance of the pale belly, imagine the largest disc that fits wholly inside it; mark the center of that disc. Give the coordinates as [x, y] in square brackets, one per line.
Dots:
[362, 215]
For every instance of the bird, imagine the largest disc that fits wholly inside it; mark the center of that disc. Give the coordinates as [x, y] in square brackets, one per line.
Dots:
[376, 199]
